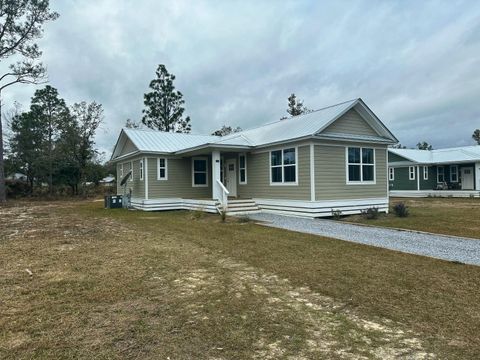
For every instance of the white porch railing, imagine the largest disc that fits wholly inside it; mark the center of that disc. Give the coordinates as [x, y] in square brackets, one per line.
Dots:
[224, 198]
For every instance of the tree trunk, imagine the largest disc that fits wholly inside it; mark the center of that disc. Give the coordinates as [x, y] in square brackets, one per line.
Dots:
[3, 192]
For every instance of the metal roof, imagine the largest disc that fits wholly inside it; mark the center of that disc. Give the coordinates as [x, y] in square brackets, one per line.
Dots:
[302, 126]
[440, 156]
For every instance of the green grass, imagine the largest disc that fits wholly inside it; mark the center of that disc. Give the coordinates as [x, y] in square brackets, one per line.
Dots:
[449, 216]
[115, 284]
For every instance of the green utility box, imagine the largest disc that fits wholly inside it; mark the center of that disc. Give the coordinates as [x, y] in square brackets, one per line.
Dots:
[113, 202]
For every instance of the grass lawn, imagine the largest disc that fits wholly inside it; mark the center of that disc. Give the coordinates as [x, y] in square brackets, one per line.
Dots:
[78, 281]
[449, 216]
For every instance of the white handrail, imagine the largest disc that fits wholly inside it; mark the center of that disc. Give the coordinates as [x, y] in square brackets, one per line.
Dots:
[225, 194]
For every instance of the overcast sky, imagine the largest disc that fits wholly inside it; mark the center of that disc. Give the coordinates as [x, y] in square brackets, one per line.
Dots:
[415, 63]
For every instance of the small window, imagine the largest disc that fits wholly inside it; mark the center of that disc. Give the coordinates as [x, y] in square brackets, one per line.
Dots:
[360, 165]
[199, 172]
[425, 173]
[162, 169]
[121, 172]
[391, 174]
[141, 169]
[131, 170]
[242, 165]
[283, 166]
[454, 173]
[411, 172]
[440, 174]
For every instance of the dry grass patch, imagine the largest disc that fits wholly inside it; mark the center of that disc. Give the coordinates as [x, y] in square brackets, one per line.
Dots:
[123, 284]
[448, 216]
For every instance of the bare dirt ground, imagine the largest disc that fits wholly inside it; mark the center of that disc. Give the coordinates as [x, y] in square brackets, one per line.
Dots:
[75, 286]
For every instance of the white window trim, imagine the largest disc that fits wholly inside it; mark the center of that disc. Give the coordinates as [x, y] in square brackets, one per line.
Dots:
[131, 170]
[438, 173]
[240, 169]
[361, 182]
[425, 173]
[206, 171]
[451, 172]
[141, 170]
[391, 174]
[121, 172]
[165, 167]
[411, 173]
[283, 183]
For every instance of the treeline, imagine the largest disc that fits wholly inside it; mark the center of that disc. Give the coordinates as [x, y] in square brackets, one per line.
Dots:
[52, 143]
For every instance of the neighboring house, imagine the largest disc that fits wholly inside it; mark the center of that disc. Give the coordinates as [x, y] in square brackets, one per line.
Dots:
[108, 181]
[444, 172]
[17, 177]
[331, 159]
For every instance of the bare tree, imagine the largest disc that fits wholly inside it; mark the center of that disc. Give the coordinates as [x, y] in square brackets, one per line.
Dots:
[21, 24]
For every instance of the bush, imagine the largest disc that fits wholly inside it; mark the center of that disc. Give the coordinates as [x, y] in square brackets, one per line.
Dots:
[336, 214]
[223, 214]
[400, 209]
[370, 213]
[244, 219]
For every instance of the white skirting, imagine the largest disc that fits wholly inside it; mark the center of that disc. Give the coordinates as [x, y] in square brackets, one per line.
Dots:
[175, 204]
[313, 209]
[435, 193]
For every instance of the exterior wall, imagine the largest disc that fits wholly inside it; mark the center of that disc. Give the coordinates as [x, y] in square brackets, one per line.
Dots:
[401, 179]
[258, 177]
[351, 123]
[331, 174]
[179, 182]
[128, 148]
[396, 158]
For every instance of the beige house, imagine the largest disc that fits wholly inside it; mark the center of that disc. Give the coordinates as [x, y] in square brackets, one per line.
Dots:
[331, 159]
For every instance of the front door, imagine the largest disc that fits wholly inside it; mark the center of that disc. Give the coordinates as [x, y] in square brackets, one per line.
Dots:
[467, 178]
[231, 176]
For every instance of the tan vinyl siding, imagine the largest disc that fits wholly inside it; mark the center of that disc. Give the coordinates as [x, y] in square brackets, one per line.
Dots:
[128, 148]
[137, 185]
[258, 178]
[351, 123]
[179, 183]
[331, 174]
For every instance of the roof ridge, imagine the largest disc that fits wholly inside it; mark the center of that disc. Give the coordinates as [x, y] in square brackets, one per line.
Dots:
[297, 116]
[168, 132]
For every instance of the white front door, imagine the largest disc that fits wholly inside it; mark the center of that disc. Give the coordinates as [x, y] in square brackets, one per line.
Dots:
[467, 179]
[231, 176]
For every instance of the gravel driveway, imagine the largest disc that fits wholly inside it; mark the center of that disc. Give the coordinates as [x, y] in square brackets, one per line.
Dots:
[437, 246]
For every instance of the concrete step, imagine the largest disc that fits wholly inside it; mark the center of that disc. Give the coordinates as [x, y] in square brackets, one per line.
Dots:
[246, 208]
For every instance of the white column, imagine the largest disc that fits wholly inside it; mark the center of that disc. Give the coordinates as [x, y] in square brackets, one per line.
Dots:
[477, 176]
[312, 172]
[418, 178]
[145, 176]
[216, 191]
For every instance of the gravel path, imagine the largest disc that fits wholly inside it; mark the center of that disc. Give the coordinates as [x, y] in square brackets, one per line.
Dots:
[437, 246]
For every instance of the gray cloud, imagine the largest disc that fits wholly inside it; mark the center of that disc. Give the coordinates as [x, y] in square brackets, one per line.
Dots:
[417, 64]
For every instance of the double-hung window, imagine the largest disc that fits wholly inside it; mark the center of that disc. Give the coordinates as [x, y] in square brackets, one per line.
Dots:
[141, 169]
[360, 165]
[454, 173]
[199, 172]
[391, 174]
[131, 170]
[162, 169]
[440, 174]
[242, 168]
[425, 173]
[121, 172]
[283, 167]
[411, 172]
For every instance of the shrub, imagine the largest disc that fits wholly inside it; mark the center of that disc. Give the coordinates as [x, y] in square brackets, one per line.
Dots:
[223, 214]
[336, 214]
[400, 209]
[370, 213]
[244, 219]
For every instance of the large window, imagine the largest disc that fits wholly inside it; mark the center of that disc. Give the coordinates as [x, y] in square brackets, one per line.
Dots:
[411, 172]
[283, 167]
[425, 173]
[440, 174]
[141, 169]
[242, 166]
[162, 169]
[391, 174]
[360, 165]
[454, 173]
[199, 172]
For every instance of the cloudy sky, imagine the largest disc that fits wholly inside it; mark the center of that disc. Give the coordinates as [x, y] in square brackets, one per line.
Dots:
[415, 63]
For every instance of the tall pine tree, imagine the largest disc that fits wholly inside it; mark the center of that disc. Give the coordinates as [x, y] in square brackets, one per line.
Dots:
[164, 105]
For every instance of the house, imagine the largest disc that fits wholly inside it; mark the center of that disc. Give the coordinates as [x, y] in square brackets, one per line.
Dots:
[334, 158]
[108, 181]
[453, 172]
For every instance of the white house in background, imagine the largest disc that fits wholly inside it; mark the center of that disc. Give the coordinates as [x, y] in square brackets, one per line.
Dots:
[334, 158]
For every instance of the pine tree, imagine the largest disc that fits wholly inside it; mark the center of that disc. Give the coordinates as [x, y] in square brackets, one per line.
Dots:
[164, 105]
[476, 136]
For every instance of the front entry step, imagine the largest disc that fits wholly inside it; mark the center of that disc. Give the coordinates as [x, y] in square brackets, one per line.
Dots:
[242, 207]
